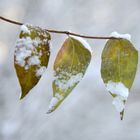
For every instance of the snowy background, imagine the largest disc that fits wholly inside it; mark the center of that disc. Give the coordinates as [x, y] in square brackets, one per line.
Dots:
[87, 113]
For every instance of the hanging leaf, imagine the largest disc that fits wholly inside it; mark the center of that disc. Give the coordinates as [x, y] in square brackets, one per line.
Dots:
[118, 69]
[69, 67]
[31, 56]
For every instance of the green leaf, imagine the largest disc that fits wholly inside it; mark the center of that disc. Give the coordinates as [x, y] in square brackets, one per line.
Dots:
[70, 66]
[31, 56]
[118, 69]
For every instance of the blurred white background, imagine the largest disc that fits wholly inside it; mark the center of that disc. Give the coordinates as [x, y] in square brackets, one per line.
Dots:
[87, 113]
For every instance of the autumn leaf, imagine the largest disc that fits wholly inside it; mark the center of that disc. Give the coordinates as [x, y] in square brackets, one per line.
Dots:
[31, 56]
[70, 66]
[118, 69]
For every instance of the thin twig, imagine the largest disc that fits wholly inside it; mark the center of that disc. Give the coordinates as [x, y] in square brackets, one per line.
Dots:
[58, 31]
[10, 21]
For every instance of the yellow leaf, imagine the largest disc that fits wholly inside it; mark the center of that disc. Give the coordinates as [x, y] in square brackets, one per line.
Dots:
[118, 69]
[70, 66]
[31, 56]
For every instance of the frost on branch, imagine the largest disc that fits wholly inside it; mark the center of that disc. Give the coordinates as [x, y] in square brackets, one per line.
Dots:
[118, 69]
[70, 66]
[31, 56]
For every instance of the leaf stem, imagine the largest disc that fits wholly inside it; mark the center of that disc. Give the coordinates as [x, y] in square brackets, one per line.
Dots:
[58, 31]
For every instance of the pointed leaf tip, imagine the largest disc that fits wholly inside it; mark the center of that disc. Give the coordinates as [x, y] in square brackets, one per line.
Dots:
[122, 115]
[70, 66]
[31, 56]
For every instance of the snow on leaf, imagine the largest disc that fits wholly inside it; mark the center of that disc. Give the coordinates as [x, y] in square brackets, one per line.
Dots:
[121, 93]
[83, 41]
[40, 71]
[118, 69]
[117, 35]
[118, 102]
[31, 56]
[25, 29]
[70, 66]
[118, 88]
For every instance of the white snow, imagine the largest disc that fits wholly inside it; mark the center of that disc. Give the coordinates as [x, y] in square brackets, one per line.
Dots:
[58, 96]
[52, 104]
[37, 41]
[21, 54]
[54, 101]
[28, 51]
[25, 49]
[64, 81]
[25, 42]
[26, 67]
[118, 102]
[83, 41]
[121, 92]
[24, 29]
[40, 71]
[117, 35]
[117, 88]
[33, 60]
[64, 84]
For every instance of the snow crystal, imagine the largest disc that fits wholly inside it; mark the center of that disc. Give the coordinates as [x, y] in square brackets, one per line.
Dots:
[24, 29]
[40, 71]
[65, 84]
[121, 92]
[117, 35]
[83, 41]
[34, 60]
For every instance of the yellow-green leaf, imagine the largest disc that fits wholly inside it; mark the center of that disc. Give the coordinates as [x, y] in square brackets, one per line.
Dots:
[69, 67]
[31, 56]
[118, 69]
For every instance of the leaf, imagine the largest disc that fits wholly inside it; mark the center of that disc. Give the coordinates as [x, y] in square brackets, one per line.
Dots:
[118, 69]
[70, 66]
[31, 56]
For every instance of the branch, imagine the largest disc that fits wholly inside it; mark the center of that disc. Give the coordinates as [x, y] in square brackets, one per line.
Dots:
[58, 31]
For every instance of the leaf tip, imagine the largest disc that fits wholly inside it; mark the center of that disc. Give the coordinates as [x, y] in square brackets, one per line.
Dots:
[49, 111]
[121, 115]
[22, 96]
[54, 103]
